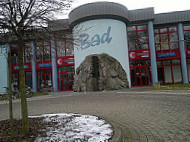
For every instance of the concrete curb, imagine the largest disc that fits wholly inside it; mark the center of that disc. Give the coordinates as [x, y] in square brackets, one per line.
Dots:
[117, 135]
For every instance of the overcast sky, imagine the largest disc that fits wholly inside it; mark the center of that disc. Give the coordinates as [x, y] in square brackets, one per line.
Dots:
[160, 6]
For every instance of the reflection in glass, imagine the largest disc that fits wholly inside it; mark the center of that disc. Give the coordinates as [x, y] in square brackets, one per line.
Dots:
[27, 53]
[187, 39]
[69, 48]
[177, 74]
[188, 66]
[15, 78]
[164, 42]
[132, 38]
[148, 75]
[14, 56]
[163, 30]
[131, 28]
[60, 48]
[132, 77]
[166, 62]
[172, 29]
[160, 75]
[168, 74]
[39, 54]
[141, 27]
[29, 78]
[186, 28]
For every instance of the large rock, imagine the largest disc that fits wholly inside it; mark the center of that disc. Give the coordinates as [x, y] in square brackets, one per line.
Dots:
[100, 72]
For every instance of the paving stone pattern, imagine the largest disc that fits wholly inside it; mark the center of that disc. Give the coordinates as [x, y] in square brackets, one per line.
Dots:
[142, 116]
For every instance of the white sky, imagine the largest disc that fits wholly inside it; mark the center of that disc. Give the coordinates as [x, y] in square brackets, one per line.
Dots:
[160, 6]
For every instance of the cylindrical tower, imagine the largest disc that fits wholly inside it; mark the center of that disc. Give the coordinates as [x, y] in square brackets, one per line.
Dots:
[100, 28]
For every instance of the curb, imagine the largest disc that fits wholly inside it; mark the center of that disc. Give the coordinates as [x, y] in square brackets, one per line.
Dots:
[117, 135]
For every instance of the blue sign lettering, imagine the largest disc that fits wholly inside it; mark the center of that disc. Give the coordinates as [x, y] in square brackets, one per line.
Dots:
[172, 54]
[45, 65]
[17, 67]
[95, 40]
[188, 52]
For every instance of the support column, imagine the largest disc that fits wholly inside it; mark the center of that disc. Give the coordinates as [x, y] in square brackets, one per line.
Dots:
[182, 53]
[34, 77]
[152, 53]
[54, 65]
[8, 51]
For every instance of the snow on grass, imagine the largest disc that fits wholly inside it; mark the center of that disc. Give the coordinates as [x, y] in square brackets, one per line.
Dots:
[75, 128]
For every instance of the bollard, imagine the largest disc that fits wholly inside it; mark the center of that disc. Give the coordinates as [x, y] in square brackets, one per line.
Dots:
[157, 85]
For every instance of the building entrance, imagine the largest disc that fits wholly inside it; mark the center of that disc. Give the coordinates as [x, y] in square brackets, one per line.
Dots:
[45, 80]
[169, 71]
[65, 78]
[140, 73]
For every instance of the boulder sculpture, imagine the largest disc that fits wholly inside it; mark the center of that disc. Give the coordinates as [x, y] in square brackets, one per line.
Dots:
[100, 72]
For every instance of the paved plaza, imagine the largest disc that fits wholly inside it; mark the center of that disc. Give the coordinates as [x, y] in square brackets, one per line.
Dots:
[142, 115]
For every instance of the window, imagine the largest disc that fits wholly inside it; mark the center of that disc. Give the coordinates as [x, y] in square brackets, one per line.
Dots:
[60, 48]
[186, 31]
[14, 54]
[43, 51]
[139, 62]
[15, 78]
[44, 79]
[65, 46]
[166, 38]
[188, 68]
[137, 37]
[28, 80]
[169, 71]
[27, 52]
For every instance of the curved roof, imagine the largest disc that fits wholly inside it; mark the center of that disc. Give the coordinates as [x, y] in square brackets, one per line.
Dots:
[99, 10]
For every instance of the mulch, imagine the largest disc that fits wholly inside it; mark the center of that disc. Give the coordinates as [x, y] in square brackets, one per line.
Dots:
[36, 127]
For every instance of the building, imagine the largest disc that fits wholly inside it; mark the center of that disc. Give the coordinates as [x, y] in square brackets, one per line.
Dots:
[150, 47]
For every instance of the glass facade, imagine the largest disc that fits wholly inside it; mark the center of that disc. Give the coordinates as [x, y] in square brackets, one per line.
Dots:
[168, 55]
[140, 73]
[27, 53]
[169, 71]
[44, 80]
[44, 64]
[14, 54]
[64, 45]
[43, 51]
[66, 77]
[139, 45]
[166, 44]
[137, 37]
[166, 38]
[186, 31]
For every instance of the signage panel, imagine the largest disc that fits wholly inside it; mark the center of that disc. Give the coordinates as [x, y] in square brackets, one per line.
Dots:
[168, 54]
[139, 54]
[188, 54]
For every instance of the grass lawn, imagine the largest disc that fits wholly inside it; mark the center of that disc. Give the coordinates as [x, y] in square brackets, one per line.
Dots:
[175, 87]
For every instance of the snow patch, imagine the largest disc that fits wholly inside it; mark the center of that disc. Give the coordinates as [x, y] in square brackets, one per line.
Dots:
[75, 128]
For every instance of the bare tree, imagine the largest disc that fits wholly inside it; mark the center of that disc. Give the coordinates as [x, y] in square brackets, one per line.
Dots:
[18, 18]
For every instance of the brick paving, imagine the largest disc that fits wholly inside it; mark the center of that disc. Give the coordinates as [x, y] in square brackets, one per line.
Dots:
[142, 115]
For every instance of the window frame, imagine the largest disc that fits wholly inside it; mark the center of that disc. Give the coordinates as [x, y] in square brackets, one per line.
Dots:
[137, 38]
[158, 33]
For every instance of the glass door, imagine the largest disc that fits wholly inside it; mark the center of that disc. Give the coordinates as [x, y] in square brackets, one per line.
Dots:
[140, 73]
[65, 79]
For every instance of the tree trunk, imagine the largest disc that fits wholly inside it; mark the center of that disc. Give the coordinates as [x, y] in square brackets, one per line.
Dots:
[10, 96]
[22, 88]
